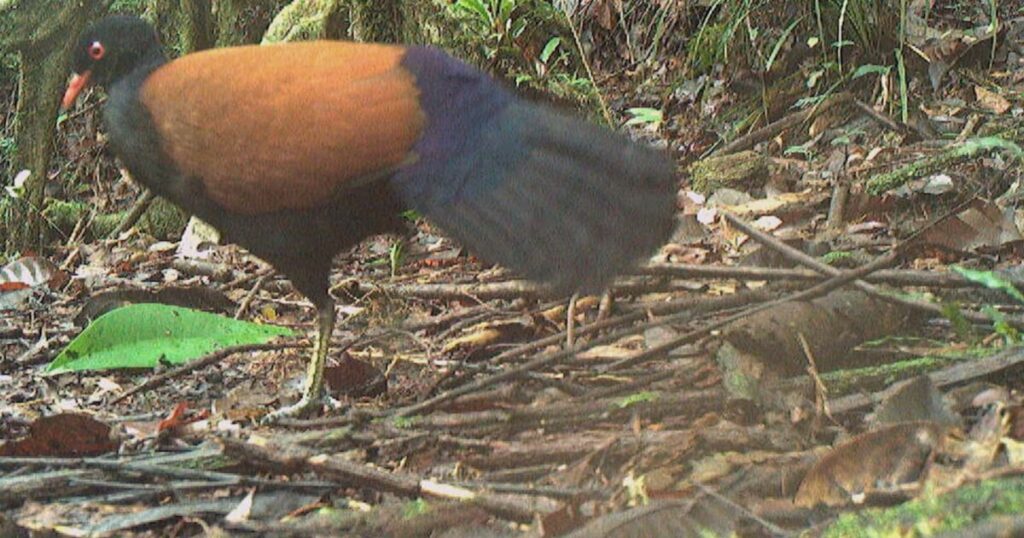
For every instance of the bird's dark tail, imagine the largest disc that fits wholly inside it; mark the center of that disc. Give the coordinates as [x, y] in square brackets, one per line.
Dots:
[555, 198]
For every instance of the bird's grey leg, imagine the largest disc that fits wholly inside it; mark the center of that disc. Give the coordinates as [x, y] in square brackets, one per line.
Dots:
[313, 397]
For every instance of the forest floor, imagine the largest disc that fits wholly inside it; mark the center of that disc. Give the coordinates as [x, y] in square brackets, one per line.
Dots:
[828, 344]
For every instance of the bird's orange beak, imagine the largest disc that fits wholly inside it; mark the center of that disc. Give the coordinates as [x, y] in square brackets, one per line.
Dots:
[78, 83]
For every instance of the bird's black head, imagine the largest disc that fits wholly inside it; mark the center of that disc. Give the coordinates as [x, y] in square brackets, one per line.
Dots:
[108, 50]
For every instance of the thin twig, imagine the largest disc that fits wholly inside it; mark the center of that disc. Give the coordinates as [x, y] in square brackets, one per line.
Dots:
[247, 300]
[892, 277]
[809, 261]
[590, 73]
[881, 119]
[203, 362]
[133, 216]
[570, 321]
[748, 140]
[548, 359]
[820, 390]
[818, 290]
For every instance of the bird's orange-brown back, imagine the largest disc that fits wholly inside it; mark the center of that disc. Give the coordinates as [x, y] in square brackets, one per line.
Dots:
[284, 127]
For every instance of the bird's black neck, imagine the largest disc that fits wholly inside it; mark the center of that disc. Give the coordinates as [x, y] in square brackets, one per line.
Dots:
[132, 69]
[150, 61]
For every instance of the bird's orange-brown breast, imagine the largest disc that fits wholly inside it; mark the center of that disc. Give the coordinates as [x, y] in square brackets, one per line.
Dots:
[284, 127]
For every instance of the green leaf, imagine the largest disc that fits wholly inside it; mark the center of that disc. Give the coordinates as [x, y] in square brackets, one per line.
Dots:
[549, 49]
[474, 7]
[836, 256]
[901, 71]
[1000, 325]
[960, 324]
[405, 423]
[779, 42]
[415, 508]
[144, 335]
[813, 77]
[395, 256]
[797, 150]
[645, 116]
[639, 397]
[990, 280]
[871, 69]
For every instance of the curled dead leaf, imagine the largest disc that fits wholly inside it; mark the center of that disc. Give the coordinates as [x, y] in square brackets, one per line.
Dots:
[876, 461]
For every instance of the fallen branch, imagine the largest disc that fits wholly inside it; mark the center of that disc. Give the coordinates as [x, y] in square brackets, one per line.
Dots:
[569, 415]
[136, 212]
[892, 277]
[803, 259]
[216, 356]
[841, 279]
[696, 307]
[485, 291]
[945, 377]
[292, 459]
[769, 131]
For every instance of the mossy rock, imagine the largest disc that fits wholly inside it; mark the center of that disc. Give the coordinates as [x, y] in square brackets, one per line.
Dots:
[744, 170]
[62, 216]
[163, 220]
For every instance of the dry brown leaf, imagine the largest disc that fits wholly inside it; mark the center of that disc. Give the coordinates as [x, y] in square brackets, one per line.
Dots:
[622, 349]
[981, 224]
[355, 377]
[485, 334]
[991, 100]
[879, 460]
[64, 435]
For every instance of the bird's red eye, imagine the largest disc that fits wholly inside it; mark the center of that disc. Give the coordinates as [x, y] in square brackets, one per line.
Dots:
[97, 50]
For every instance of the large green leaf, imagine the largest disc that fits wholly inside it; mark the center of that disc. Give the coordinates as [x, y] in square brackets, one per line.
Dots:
[144, 335]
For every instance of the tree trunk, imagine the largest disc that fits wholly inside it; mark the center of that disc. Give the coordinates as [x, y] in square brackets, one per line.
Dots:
[39, 32]
[242, 22]
[309, 19]
[379, 21]
[184, 25]
[195, 25]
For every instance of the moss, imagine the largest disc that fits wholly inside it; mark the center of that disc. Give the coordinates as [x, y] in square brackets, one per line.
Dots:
[932, 514]
[163, 220]
[304, 20]
[958, 153]
[39, 32]
[378, 21]
[875, 377]
[137, 7]
[63, 215]
[704, 50]
[741, 171]
[244, 21]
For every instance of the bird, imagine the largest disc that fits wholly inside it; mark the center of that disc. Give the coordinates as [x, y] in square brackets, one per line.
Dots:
[299, 151]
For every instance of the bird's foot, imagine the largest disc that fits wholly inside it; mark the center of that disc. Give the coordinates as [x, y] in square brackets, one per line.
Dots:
[303, 408]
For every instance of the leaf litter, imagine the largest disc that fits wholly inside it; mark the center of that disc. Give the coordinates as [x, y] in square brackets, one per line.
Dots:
[472, 403]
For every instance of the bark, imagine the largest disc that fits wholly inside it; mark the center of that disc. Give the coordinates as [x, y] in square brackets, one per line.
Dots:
[379, 21]
[39, 33]
[309, 19]
[242, 22]
[195, 25]
[184, 25]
